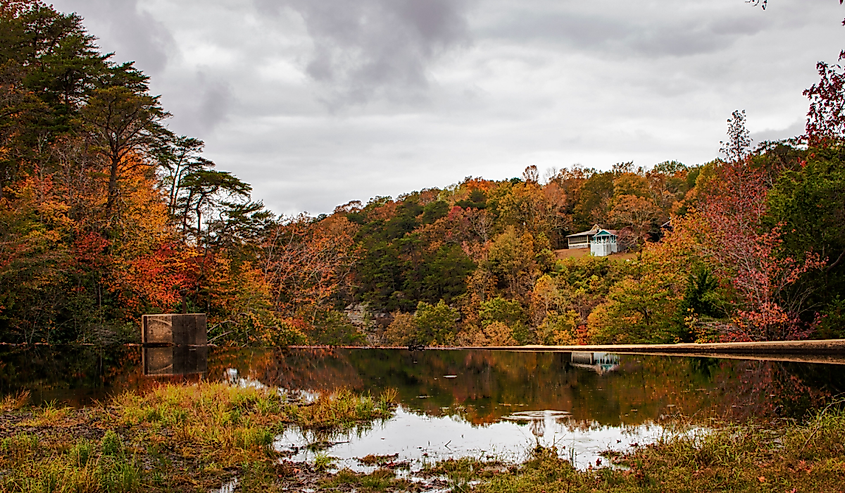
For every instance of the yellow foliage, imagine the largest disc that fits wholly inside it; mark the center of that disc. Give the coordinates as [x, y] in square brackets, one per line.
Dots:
[495, 334]
[401, 331]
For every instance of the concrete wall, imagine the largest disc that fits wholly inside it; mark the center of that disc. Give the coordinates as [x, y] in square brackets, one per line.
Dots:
[188, 329]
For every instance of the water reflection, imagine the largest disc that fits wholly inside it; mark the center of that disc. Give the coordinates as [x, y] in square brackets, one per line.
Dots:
[480, 387]
[600, 363]
[454, 403]
[485, 386]
[174, 360]
[419, 439]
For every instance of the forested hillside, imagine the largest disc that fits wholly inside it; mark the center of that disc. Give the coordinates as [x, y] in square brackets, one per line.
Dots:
[105, 214]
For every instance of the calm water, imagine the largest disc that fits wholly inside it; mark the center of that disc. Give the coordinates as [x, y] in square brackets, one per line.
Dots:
[457, 402]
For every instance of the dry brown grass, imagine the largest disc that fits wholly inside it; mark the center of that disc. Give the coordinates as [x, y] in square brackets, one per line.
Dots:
[13, 402]
[585, 252]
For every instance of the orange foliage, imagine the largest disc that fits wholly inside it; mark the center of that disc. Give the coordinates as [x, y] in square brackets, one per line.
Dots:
[307, 262]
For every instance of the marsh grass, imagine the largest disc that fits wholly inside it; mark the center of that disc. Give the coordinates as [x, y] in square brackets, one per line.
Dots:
[461, 473]
[176, 437]
[343, 409]
[784, 457]
[198, 437]
[47, 415]
[378, 480]
[323, 462]
[13, 402]
[80, 467]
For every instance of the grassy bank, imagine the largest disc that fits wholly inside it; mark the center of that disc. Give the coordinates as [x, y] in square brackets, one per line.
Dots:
[199, 437]
[175, 438]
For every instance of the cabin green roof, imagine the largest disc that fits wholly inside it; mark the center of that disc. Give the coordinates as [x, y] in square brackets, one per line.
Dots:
[595, 231]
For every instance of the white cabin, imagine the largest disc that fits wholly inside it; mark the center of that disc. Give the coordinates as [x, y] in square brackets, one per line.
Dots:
[601, 242]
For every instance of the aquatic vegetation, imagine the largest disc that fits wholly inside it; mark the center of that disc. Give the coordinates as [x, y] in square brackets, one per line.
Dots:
[197, 437]
[462, 473]
[323, 462]
[344, 408]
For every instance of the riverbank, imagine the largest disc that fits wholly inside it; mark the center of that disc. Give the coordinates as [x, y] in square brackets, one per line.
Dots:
[178, 437]
[200, 437]
[827, 351]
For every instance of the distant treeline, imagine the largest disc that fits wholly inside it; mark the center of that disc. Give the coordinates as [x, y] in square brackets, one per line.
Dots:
[105, 214]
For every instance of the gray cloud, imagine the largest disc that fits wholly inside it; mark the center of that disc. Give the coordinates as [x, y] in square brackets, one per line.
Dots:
[795, 129]
[377, 48]
[132, 33]
[427, 92]
[208, 103]
[614, 34]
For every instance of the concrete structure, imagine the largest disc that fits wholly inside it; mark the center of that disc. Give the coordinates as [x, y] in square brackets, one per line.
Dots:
[188, 329]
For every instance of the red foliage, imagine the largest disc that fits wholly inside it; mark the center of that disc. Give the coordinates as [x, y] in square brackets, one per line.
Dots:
[89, 250]
[826, 117]
[306, 262]
[154, 280]
[748, 256]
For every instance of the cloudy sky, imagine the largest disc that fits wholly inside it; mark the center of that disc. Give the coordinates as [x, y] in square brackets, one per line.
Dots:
[319, 102]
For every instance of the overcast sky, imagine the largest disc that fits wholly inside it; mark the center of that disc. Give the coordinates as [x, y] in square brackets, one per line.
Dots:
[319, 102]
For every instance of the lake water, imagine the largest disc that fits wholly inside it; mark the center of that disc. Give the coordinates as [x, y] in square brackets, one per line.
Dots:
[456, 403]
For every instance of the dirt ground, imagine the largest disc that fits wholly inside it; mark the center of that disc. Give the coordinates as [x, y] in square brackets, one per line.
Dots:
[584, 252]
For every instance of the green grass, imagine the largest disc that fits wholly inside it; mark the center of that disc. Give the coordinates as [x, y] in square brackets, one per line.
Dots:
[177, 437]
[344, 408]
[76, 467]
[323, 462]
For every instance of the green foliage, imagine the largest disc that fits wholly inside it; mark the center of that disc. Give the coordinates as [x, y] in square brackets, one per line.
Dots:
[701, 294]
[508, 313]
[476, 200]
[808, 203]
[333, 328]
[105, 214]
[434, 211]
[111, 444]
[831, 320]
[436, 324]
[402, 331]
[635, 312]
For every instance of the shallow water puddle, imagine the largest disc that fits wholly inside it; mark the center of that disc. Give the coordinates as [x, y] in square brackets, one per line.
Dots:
[422, 440]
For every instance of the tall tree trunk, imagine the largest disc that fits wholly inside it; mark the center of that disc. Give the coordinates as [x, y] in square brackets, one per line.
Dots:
[112, 192]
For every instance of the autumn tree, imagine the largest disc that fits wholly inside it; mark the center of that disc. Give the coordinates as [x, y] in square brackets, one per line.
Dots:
[744, 251]
[637, 214]
[307, 262]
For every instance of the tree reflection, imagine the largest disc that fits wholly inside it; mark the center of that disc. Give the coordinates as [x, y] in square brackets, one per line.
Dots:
[487, 386]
